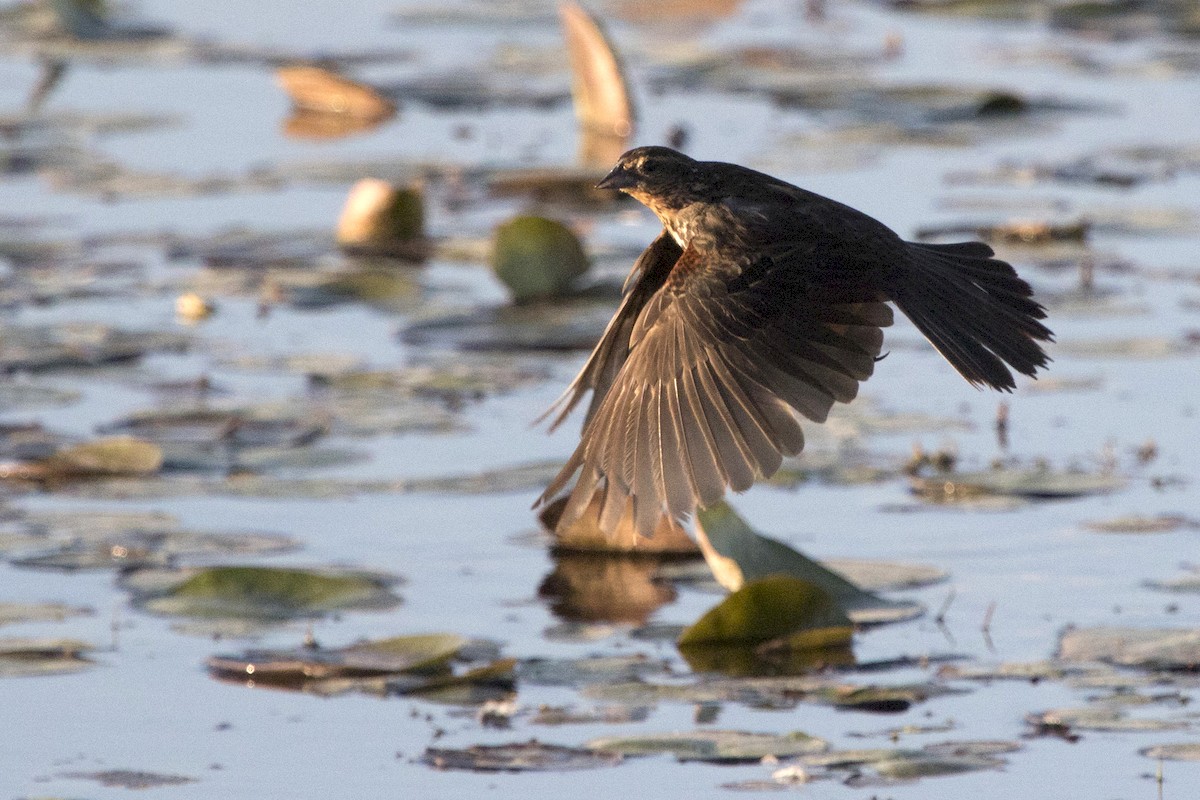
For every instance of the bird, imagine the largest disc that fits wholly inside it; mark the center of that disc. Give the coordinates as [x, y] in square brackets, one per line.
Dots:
[760, 303]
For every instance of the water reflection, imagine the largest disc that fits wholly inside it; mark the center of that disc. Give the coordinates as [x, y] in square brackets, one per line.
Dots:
[593, 587]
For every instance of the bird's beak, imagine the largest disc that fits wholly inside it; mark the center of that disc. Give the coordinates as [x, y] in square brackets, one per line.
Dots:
[617, 179]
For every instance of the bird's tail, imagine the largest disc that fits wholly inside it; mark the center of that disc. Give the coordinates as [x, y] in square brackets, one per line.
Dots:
[974, 309]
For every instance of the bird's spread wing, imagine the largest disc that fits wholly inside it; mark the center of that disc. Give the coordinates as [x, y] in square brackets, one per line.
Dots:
[719, 356]
[648, 274]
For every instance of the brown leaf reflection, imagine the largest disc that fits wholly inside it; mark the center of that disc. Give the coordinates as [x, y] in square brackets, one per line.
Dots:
[312, 125]
[591, 587]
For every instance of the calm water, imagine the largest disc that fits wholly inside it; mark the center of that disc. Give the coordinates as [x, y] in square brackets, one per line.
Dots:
[149, 704]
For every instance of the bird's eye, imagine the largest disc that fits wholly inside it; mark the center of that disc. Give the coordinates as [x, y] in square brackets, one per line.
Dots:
[649, 167]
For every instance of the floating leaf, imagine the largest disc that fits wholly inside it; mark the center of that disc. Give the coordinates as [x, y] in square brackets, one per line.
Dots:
[870, 767]
[1162, 523]
[537, 257]
[12, 613]
[26, 657]
[790, 612]
[130, 779]
[588, 671]
[715, 746]
[531, 756]
[872, 575]
[115, 455]
[1184, 751]
[1039, 483]
[1148, 648]
[300, 668]
[269, 593]
[740, 554]
[1100, 719]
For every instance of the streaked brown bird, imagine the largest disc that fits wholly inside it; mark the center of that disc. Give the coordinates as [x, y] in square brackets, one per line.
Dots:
[757, 301]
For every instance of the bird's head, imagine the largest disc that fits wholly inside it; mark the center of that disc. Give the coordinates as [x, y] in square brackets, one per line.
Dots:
[655, 175]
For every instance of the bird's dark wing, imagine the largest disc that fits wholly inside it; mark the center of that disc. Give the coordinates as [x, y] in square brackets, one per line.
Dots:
[718, 358]
[648, 274]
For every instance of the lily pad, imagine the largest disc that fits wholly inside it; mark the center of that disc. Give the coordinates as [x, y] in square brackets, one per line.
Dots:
[537, 257]
[531, 756]
[131, 779]
[1100, 719]
[1038, 483]
[884, 766]
[788, 612]
[1147, 648]
[714, 746]
[1161, 523]
[268, 593]
[298, 668]
[1184, 751]
[739, 554]
[28, 657]
[13, 613]
[116, 455]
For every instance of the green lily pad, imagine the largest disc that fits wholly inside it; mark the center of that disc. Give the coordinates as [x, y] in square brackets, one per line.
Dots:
[746, 555]
[779, 609]
[531, 756]
[714, 746]
[269, 593]
[537, 257]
